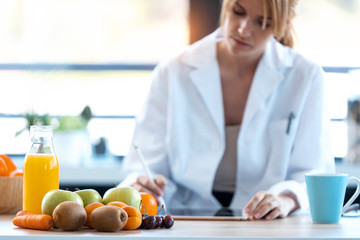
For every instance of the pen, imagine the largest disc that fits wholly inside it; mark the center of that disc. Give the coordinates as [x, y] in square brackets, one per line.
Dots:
[291, 117]
[148, 173]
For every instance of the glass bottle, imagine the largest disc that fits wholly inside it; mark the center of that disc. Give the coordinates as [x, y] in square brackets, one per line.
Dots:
[41, 168]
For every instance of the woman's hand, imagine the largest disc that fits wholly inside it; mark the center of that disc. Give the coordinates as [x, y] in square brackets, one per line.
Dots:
[270, 206]
[143, 184]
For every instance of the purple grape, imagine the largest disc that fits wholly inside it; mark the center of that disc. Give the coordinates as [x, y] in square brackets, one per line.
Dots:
[159, 221]
[168, 221]
[148, 222]
[162, 222]
[142, 218]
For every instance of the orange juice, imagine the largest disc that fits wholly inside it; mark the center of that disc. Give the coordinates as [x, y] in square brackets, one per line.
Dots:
[41, 174]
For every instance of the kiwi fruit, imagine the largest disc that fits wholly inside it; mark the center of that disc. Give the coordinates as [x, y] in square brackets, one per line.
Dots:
[69, 216]
[108, 218]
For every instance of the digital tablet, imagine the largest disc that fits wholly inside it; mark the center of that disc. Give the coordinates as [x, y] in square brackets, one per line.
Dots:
[208, 214]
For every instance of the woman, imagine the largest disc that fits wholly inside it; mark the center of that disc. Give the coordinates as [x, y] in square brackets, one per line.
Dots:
[236, 119]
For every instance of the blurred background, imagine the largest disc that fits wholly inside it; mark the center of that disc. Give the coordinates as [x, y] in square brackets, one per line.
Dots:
[84, 66]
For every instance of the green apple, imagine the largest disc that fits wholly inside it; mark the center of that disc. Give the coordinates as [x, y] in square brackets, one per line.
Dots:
[128, 195]
[57, 196]
[89, 196]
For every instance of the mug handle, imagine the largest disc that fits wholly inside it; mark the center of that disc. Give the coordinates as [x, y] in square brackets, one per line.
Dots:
[354, 196]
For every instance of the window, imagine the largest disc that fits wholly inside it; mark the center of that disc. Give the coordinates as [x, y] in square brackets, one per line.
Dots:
[59, 56]
[326, 31]
[92, 31]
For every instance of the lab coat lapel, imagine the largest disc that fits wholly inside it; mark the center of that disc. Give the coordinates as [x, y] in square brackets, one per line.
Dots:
[264, 82]
[205, 75]
[266, 79]
[207, 82]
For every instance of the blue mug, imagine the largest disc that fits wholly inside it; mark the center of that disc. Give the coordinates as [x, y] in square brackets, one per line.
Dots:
[326, 194]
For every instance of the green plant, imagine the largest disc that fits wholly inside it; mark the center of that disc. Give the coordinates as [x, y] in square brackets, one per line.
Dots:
[62, 123]
[66, 123]
[34, 119]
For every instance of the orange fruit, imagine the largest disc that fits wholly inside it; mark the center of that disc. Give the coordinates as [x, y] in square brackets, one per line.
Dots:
[16, 173]
[11, 166]
[134, 218]
[149, 202]
[3, 168]
[88, 209]
[117, 203]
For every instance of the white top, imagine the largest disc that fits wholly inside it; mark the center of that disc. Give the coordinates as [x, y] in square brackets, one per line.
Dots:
[225, 177]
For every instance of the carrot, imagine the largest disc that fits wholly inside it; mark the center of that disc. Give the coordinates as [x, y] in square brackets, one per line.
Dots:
[23, 212]
[33, 221]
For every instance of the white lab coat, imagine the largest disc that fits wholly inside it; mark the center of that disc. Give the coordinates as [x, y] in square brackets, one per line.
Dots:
[181, 130]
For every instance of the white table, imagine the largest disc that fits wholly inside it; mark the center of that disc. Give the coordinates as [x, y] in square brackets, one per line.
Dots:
[295, 227]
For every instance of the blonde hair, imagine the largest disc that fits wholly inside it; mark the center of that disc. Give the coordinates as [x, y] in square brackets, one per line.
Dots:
[281, 12]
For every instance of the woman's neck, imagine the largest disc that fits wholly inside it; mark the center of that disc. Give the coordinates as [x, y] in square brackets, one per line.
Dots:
[239, 65]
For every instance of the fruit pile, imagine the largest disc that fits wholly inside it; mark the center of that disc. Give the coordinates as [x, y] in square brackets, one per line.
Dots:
[8, 167]
[121, 208]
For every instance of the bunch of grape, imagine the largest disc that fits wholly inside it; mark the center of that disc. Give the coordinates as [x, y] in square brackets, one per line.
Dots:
[151, 222]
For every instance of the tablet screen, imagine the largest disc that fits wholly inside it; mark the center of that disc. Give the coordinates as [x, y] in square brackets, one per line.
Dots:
[208, 214]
